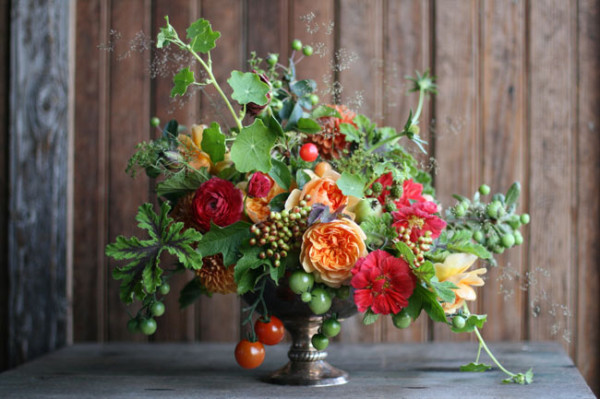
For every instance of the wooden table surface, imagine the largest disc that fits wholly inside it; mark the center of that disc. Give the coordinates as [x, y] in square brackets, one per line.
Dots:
[208, 370]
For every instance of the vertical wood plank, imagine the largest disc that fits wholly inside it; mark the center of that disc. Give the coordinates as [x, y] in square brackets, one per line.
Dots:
[456, 136]
[503, 149]
[218, 317]
[358, 65]
[176, 324]
[552, 148]
[38, 142]
[4, 117]
[588, 192]
[89, 182]
[128, 121]
[407, 47]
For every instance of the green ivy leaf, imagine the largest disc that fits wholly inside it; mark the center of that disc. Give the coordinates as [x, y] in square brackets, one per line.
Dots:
[323, 111]
[281, 174]
[370, 317]
[248, 88]
[475, 367]
[444, 290]
[308, 125]
[224, 240]
[350, 184]
[474, 320]
[181, 81]
[191, 292]
[252, 148]
[213, 142]
[201, 36]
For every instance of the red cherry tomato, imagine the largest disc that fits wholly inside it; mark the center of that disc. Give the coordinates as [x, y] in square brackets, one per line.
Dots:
[270, 333]
[309, 152]
[249, 355]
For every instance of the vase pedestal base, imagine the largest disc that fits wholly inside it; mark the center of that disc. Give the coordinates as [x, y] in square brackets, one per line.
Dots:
[313, 373]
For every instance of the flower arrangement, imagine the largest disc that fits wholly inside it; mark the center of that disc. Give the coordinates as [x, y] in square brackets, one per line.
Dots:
[311, 197]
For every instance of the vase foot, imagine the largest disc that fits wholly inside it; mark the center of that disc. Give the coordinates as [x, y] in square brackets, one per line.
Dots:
[318, 374]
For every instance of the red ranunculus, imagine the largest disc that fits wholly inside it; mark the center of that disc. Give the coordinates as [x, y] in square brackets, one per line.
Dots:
[219, 201]
[419, 218]
[382, 282]
[259, 185]
[411, 192]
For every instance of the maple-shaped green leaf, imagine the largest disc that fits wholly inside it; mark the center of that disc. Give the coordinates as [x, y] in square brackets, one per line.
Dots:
[444, 289]
[252, 148]
[182, 183]
[370, 317]
[181, 81]
[166, 35]
[350, 184]
[201, 36]
[213, 142]
[248, 88]
[142, 275]
[224, 240]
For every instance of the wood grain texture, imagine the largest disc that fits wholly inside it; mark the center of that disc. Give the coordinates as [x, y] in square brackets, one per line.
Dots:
[407, 48]
[457, 140]
[202, 370]
[552, 102]
[4, 176]
[503, 149]
[128, 124]
[588, 192]
[38, 145]
[359, 69]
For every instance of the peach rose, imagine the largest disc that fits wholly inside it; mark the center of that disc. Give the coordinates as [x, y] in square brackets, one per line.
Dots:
[258, 209]
[330, 250]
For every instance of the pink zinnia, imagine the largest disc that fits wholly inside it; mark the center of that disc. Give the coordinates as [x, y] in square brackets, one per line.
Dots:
[382, 282]
[419, 218]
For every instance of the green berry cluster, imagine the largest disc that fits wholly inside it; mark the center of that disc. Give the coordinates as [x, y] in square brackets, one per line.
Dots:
[420, 248]
[144, 321]
[281, 232]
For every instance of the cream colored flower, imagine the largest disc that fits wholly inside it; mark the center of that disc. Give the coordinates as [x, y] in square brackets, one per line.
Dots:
[454, 269]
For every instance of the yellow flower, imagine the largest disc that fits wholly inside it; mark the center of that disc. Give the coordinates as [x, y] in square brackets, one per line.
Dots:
[454, 269]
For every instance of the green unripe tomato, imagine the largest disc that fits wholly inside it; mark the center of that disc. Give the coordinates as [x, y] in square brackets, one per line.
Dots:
[307, 50]
[518, 238]
[478, 236]
[525, 218]
[164, 289]
[320, 302]
[331, 328]
[484, 189]
[320, 342]
[367, 207]
[458, 321]
[157, 309]
[508, 240]
[272, 59]
[401, 319]
[300, 281]
[297, 44]
[314, 99]
[148, 326]
[493, 209]
[306, 297]
[133, 326]
[155, 122]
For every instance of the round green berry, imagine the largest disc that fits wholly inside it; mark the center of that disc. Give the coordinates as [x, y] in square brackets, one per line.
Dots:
[272, 59]
[377, 188]
[508, 240]
[148, 326]
[314, 99]
[525, 218]
[320, 342]
[493, 209]
[401, 319]
[306, 297]
[478, 236]
[307, 50]
[154, 122]
[165, 288]
[277, 84]
[484, 189]
[157, 309]
[460, 210]
[331, 328]
[297, 44]
[518, 238]
[458, 321]
[498, 249]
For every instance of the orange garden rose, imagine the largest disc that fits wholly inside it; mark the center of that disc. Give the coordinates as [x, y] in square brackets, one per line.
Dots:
[454, 269]
[258, 209]
[330, 250]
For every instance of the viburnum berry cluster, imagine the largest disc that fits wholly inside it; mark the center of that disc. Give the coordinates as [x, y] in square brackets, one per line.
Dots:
[313, 199]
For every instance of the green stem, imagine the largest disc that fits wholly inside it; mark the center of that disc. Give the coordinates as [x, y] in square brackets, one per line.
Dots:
[478, 353]
[417, 114]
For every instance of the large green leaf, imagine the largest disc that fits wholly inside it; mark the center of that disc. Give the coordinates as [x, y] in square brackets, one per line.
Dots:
[281, 174]
[213, 142]
[224, 240]
[181, 183]
[252, 148]
[248, 88]
[181, 81]
[201, 36]
[351, 184]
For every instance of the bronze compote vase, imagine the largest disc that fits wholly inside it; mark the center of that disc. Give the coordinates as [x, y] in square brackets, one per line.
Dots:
[307, 365]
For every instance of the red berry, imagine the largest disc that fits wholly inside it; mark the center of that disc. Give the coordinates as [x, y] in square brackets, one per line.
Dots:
[309, 152]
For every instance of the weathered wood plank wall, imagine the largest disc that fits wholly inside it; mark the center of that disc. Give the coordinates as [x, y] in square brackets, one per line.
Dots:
[519, 99]
[38, 308]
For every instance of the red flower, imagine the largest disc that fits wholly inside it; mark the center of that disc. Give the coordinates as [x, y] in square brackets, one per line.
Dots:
[382, 282]
[419, 218]
[411, 192]
[386, 181]
[219, 201]
[259, 185]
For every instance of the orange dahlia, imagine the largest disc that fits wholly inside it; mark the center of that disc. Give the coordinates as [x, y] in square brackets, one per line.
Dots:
[183, 212]
[330, 141]
[215, 276]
